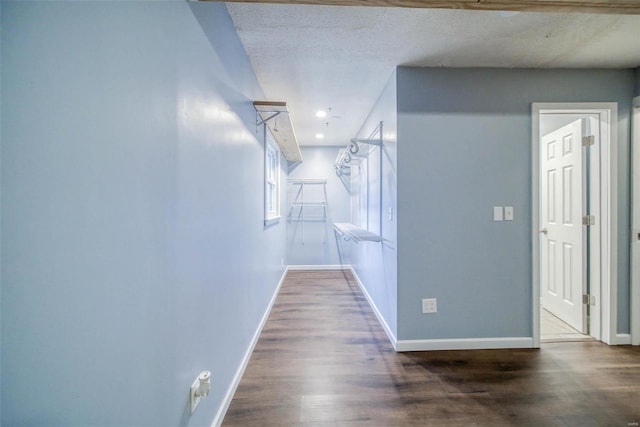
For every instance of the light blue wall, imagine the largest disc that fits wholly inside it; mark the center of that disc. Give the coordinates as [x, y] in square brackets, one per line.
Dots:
[375, 263]
[133, 249]
[314, 243]
[465, 146]
[0, 221]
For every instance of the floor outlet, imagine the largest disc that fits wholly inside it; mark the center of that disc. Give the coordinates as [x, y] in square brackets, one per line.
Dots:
[430, 305]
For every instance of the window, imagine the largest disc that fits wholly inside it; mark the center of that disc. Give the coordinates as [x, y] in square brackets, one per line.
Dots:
[271, 180]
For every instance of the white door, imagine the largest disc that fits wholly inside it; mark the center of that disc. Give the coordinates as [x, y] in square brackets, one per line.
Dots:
[562, 234]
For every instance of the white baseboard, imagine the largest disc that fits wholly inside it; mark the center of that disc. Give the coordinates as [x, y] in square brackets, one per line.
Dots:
[623, 339]
[318, 267]
[464, 344]
[441, 344]
[217, 420]
[373, 306]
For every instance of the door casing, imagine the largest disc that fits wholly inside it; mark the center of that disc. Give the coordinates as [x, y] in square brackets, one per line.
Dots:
[635, 230]
[605, 328]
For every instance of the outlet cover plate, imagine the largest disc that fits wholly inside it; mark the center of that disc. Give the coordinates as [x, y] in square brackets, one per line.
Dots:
[429, 305]
[508, 213]
[195, 400]
[498, 213]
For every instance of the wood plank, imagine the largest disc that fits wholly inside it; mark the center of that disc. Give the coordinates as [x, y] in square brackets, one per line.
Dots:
[270, 106]
[631, 7]
[323, 359]
[283, 133]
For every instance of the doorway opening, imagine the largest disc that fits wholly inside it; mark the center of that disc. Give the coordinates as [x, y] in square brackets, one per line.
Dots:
[574, 221]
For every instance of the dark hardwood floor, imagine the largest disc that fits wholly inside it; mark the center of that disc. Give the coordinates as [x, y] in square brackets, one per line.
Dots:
[324, 360]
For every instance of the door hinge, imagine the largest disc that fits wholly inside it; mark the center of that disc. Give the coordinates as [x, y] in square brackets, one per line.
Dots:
[589, 220]
[588, 299]
[588, 140]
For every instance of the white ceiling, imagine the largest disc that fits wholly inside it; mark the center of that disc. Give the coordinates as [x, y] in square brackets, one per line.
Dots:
[338, 57]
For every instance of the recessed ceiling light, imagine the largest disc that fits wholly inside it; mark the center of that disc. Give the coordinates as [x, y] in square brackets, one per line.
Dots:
[319, 135]
[321, 114]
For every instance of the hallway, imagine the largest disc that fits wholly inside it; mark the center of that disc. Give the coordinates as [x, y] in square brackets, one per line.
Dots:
[324, 360]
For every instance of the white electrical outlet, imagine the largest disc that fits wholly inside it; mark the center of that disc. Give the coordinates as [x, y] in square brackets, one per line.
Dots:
[200, 389]
[195, 399]
[430, 305]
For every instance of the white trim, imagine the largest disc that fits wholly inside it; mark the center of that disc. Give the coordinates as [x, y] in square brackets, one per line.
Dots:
[608, 113]
[381, 319]
[268, 222]
[228, 397]
[535, 222]
[635, 223]
[464, 344]
[441, 344]
[319, 267]
[609, 183]
[595, 263]
[623, 339]
[270, 146]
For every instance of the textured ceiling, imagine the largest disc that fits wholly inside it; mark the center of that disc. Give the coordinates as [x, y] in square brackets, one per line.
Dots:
[319, 57]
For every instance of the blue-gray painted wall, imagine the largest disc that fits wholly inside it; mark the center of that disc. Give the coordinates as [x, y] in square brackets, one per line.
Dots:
[465, 146]
[134, 254]
[312, 242]
[638, 81]
[376, 263]
[0, 223]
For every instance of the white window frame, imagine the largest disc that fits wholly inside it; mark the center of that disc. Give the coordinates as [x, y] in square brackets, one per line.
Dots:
[271, 180]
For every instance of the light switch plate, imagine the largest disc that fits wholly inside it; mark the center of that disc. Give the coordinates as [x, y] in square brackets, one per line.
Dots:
[508, 213]
[498, 213]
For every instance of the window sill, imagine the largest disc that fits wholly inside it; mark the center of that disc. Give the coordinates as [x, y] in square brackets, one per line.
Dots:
[268, 222]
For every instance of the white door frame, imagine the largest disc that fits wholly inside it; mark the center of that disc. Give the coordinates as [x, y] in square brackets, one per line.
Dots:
[635, 221]
[608, 113]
